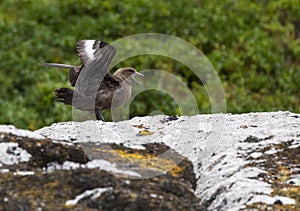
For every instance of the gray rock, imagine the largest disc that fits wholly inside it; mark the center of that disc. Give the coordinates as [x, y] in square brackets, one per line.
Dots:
[56, 175]
[246, 161]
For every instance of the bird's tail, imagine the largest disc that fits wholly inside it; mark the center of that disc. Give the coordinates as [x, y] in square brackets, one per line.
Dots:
[73, 71]
[58, 65]
[65, 95]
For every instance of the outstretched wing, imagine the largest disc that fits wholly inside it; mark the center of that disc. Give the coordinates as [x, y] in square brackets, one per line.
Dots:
[96, 57]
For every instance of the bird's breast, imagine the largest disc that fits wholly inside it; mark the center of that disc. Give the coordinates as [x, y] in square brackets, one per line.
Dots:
[121, 96]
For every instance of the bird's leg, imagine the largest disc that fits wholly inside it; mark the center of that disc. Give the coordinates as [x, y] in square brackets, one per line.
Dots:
[99, 115]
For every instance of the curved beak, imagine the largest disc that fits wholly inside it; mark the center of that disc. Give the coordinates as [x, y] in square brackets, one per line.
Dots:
[136, 74]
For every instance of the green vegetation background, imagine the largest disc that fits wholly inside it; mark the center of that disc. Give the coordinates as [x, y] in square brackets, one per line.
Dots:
[253, 45]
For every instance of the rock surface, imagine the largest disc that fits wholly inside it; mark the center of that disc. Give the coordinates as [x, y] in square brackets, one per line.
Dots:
[204, 162]
[47, 174]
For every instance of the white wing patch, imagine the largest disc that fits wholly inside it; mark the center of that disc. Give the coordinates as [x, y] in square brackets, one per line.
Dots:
[88, 47]
[91, 50]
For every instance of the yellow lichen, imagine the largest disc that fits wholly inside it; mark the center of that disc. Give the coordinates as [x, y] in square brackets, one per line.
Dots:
[145, 132]
[145, 161]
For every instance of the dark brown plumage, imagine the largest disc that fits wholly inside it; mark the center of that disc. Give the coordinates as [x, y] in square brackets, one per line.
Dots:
[95, 88]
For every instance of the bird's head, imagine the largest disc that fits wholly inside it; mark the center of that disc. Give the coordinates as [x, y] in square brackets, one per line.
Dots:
[127, 73]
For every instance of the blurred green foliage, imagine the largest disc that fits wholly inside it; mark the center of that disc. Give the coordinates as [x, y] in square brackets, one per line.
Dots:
[254, 46]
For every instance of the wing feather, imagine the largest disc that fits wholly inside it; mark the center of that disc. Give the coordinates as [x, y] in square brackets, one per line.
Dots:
[94, 75]
[87, 48]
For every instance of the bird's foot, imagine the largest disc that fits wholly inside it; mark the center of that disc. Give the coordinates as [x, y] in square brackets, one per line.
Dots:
[99, 116]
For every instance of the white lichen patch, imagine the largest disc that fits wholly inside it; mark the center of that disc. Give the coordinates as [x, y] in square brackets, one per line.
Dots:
[110, 167]
[271, 200]
[93, 194]
[24, 173]
[10, 129]
[11, 153]
[97, 163]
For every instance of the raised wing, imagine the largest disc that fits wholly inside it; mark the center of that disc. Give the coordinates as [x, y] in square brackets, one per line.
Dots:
[96, 57]
[87, 49]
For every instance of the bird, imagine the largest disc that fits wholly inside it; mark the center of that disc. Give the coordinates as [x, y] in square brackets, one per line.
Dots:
[95, 88]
